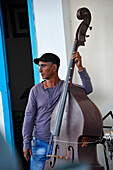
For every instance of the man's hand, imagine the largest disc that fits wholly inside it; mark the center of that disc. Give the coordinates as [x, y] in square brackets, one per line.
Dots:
[77, 60]
[27, 154]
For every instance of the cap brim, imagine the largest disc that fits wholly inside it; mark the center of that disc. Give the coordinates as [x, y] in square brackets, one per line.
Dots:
[36, 60]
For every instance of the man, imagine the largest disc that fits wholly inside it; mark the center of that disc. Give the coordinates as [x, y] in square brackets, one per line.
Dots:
[42, 100]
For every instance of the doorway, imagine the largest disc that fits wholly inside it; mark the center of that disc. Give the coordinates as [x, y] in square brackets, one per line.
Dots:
[20, 67]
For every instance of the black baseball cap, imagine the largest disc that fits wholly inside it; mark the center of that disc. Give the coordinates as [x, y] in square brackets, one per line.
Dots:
[48, 57]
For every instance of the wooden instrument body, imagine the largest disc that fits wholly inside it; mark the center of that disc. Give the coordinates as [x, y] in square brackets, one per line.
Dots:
[80, 129]
[76, 122]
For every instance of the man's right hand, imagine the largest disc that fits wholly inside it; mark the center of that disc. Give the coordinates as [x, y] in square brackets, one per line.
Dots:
[27, 154]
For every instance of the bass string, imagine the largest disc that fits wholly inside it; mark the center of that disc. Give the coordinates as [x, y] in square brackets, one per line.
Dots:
[87, 142]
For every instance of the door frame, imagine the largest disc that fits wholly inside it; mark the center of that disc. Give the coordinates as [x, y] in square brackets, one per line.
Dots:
[4, 88]
[4, 78]
[33, 40]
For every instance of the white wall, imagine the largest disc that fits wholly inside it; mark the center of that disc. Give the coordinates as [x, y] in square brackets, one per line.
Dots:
[2, 129]
[97, 54]
[50, 30]
[56, 24]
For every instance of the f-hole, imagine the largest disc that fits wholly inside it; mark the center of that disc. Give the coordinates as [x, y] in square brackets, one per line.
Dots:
[52, 164]
[71, 149]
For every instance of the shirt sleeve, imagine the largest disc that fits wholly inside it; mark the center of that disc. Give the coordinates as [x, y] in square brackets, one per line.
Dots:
[29, 120]
[86, 81]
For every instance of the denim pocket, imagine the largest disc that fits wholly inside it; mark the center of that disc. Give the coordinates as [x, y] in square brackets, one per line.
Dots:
[34, 142]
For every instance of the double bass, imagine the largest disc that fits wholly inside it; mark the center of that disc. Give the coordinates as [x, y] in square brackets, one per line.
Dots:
[76, 123]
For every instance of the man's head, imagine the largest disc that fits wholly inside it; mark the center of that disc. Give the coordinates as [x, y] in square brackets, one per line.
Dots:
[48, 57]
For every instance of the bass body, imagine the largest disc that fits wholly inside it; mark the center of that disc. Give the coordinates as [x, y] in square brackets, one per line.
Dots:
[80, 130]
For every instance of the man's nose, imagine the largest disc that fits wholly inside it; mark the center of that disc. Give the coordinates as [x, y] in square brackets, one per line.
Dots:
[40, 69]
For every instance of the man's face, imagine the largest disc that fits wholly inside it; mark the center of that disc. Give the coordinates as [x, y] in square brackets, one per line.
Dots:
[45, 69]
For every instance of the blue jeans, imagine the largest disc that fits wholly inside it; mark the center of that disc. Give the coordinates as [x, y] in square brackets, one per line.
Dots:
[39, 151]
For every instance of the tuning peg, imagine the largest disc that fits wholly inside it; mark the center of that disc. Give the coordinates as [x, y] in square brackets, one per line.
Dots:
[87, 36]
[90, 28]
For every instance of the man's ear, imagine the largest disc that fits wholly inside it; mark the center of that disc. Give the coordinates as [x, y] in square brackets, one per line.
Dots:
[54, 66]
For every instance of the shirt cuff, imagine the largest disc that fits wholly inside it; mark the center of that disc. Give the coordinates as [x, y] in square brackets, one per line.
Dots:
[27, 146]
